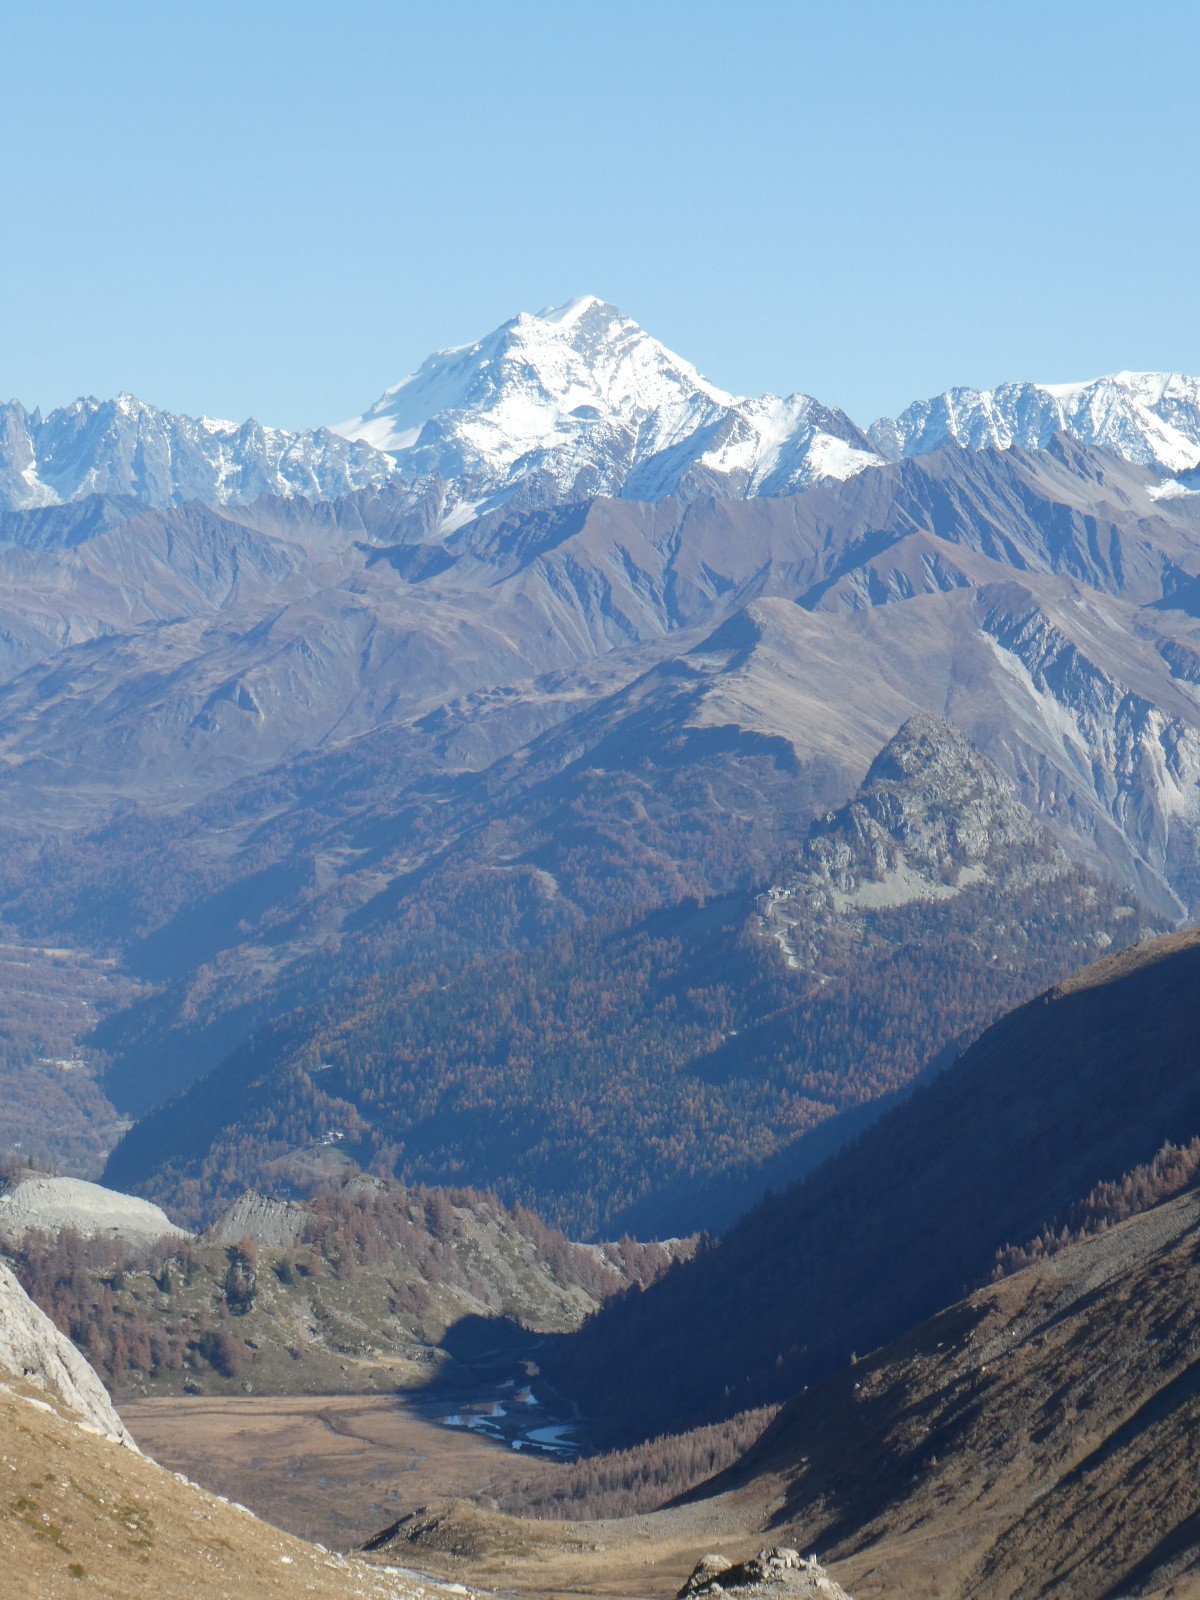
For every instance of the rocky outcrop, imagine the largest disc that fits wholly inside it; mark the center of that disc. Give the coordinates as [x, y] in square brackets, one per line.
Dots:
[780, 1572]
[32, 1349]
[51, 1204]
[270, 1224]
[932, 819]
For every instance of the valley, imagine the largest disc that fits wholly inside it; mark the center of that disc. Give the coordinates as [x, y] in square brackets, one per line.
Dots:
[332, 1469]
[600, 891]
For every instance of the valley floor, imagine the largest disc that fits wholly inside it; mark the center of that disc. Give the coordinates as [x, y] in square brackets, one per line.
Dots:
[339, 1469]
[332, 1468]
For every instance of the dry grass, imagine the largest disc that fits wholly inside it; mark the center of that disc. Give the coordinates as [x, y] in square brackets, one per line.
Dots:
[336, 1468]
[80, 1516]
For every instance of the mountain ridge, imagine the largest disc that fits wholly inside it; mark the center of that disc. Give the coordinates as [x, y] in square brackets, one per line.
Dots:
[561, 405]
[1151, 418]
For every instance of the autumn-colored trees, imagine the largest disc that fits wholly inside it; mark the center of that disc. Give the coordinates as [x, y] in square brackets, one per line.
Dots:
[621, 1059]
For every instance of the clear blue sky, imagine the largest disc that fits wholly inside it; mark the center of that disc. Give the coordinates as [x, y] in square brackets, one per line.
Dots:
[279, 209]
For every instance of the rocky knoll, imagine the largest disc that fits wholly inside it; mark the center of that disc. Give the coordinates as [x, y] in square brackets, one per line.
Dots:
[779, 1572]
[932, 819]
[271, 1224]
[51, 1204]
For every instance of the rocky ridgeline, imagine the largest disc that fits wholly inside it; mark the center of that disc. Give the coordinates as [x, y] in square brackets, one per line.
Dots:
[780, 1571]
[933, 817]
[127, 448]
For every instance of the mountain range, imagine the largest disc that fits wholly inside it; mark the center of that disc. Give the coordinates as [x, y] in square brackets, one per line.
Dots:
[565, 639]
[562, 406]
[668, 809]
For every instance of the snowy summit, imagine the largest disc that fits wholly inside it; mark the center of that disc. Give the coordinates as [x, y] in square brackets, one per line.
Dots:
[573, 401]
[579, 400]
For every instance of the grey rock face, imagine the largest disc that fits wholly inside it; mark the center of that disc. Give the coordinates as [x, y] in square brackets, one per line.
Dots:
[271, 1224]
[32, 1349]
[932, 813]
[779, 1571]
[933, 818]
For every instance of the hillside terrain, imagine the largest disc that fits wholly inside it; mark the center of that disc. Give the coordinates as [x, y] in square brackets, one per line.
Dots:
[608, 1071]
[321, 754]
[259, 752]
[52, 1108]
[1078, 1087]
[1036, 1437]
[352, 1290]
[82, 1510]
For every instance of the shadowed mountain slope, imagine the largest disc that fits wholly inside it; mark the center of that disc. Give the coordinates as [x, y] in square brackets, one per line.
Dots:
[1036, 1439]
[1075, 1087]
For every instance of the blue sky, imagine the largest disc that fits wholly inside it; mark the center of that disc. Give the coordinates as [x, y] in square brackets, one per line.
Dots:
[279, 209]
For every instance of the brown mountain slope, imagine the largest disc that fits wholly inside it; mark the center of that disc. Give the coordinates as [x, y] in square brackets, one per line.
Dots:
[82, 1511]
[1041, 1438]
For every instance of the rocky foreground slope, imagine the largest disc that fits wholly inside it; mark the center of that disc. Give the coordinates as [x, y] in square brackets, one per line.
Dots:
[33, 1350]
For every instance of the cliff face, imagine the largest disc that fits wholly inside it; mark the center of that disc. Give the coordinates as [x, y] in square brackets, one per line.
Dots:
[933, 819]
[32, 1348]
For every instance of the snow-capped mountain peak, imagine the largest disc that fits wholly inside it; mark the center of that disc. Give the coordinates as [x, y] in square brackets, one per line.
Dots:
[1152, 418]
[566, 403]
[571, 312]
[579, 400]
[534, 383]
